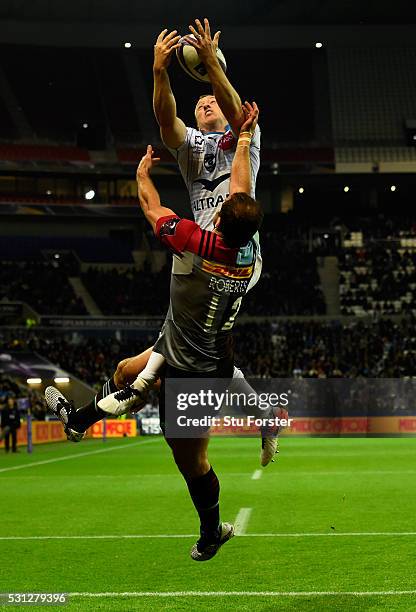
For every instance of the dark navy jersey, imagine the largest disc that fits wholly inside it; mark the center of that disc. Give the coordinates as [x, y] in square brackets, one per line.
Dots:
[208, 282]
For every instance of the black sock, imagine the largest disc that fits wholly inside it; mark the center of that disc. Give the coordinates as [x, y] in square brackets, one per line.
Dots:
[90, 413]
[205, 493]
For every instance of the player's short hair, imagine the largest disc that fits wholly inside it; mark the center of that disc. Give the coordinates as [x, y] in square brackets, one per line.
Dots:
[240, 218]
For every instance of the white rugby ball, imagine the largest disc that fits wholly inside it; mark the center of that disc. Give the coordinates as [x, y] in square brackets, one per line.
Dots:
[189, 60]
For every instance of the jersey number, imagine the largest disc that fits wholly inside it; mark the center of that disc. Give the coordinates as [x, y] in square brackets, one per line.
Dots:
[234, 312]
[213, 310]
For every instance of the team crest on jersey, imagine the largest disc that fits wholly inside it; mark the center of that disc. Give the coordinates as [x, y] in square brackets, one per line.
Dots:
[168, 228]
[210, 162]
[227, 141]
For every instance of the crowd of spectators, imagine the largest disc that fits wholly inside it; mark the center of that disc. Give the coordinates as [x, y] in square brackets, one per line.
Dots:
[22, 395]
[42, 284]
[279, 349]
[289, 284]
[314, 349]
[377, 278]
[376, 360]
[91, 358]
[129, 292]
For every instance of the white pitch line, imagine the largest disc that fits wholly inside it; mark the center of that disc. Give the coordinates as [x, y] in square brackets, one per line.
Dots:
[331, 534]
[351, 472]
[244, 594]
[289, 474]
[140, 536]
[241, 520]
[74, 456]
[257, 475]
[118, 536]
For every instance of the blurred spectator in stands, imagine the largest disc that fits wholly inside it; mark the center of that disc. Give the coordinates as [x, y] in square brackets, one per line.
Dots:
[10, 423]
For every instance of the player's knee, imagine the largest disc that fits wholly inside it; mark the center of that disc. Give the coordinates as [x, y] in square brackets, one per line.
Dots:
[191, 469]
[120, 378]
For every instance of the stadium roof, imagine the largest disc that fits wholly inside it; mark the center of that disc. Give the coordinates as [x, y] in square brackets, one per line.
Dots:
[179, 12]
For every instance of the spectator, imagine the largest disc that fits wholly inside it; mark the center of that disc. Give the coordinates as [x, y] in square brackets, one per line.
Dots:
[10, 423]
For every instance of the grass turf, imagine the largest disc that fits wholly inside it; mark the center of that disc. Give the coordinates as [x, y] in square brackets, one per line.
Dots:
[317, 486]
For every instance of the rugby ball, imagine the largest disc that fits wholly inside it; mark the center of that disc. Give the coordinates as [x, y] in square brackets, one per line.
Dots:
[189, 60]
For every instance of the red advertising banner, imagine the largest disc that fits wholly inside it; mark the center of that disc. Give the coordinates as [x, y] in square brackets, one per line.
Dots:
[312, 426]
[47, 431]
[352, 425]
[114, 428]
[42, 432]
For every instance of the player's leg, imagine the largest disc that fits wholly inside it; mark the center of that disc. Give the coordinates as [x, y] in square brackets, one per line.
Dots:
[191, 457]
[76, 422]
[144, 378]
[128, 369]
[269, 435]
[3, 432]
[7, 440]
[14, 439]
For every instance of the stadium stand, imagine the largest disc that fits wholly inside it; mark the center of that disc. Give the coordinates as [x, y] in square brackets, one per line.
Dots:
[40, 284]
[382, 348]
[371, 94]
[289, 283]
[58, 100]
[25, 396]
[105, 250]
[378, 278]
[129, 292]
[20, 152]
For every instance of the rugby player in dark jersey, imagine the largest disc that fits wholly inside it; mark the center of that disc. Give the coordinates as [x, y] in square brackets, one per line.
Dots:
[209, 279]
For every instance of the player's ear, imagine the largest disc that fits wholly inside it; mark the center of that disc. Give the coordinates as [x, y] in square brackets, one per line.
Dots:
[216, 220]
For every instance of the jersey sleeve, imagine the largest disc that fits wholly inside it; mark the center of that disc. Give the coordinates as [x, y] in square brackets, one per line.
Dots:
[176, 233]
[189, 155]
[255, 159]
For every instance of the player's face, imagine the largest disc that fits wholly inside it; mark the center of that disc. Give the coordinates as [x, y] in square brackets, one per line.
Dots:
[208, 115]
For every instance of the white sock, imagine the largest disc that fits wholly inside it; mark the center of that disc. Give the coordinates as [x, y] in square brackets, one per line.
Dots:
[240, 385]
[150, 374]
[237, 373]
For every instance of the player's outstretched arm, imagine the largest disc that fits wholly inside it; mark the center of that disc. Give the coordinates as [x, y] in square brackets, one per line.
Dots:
[172, 129]
[240, 180]
[228, 99]
[148, 195]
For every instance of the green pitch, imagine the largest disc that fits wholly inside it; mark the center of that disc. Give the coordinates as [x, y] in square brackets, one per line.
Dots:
[329, 526]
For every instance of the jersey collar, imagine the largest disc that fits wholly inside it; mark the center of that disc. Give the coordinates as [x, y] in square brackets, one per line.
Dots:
[227, 129]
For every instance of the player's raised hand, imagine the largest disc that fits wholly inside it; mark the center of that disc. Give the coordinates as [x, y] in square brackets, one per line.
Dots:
[165, 44]
[251, 115]
[146, 163]
[203, 43]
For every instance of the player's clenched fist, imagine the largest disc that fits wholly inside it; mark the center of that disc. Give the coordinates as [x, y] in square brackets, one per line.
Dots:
[164, 47]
